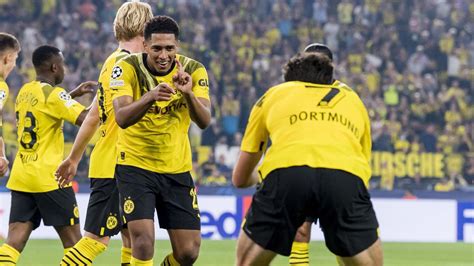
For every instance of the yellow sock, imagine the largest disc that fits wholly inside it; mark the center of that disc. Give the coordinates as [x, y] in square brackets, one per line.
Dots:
[8, 255]
[339, 261]
[66, 250]
[126, 256]
[137, 262]
[299, 254]
[170, 261]
[83, 252]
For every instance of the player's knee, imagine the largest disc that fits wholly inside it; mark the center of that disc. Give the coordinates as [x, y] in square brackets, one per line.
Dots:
[188, 254]
[144, 244]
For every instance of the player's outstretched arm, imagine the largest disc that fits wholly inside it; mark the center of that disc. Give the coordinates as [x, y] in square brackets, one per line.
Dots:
[199, 108]
[129, 112]
[244, 174]
[68, 168]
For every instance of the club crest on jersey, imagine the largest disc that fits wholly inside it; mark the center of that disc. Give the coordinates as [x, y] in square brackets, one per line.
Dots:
[116, 72]
[112, 222]
[3, 95]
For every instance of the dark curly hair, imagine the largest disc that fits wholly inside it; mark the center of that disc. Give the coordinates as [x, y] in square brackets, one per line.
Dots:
[161, 24]
[309, 67]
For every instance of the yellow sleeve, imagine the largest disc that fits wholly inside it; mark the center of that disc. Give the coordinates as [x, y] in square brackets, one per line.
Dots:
[3, 99]
[256, 134]
[122, 80]
[366, 139]
[62, 106]
[200, 83]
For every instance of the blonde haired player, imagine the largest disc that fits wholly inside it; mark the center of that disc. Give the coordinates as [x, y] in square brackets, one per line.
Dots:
[9, 49]
[103, 218]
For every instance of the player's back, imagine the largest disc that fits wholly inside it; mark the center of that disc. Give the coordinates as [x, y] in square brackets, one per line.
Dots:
[104, 154]
[40, 110]
[315, 125]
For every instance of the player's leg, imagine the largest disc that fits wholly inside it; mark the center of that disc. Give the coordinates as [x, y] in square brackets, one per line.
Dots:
[348, 219]
[103, 220]
[137, 198]
[24, 218]
[250, 253]
[126, 250]
[142, 234]
[18, 234]
[185, 245]
[300, 248]
[278, 209]
[371, 256]
[178, 212]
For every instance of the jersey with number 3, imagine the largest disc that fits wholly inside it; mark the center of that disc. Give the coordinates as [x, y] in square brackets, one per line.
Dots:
[40, 112]
[320, 126]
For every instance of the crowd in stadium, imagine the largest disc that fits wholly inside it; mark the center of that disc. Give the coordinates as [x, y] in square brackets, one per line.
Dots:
[414, 73]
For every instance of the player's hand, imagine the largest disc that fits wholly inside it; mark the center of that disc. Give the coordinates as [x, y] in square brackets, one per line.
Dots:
[162, 92]
[182, 80]
[3, 166]
[83, 88]
[66, 172]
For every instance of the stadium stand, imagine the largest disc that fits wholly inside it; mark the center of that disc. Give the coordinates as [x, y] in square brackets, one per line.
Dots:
[414, 72]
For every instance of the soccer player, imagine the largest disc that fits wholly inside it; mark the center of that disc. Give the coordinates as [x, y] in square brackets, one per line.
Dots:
[317, 166]
[156, 94]
[300, 248]
[41, 107]
[9, 49]
[103, 218]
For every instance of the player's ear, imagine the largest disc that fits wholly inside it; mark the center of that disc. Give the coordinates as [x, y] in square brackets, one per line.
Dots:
[54, 67]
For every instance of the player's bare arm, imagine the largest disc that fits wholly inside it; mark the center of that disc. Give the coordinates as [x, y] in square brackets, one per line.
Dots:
[68, 168]
[129, 112]
[3, 159]
[83, 88]
[244, 174]
[199, 108]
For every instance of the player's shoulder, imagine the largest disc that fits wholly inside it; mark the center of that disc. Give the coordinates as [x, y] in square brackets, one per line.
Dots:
[116, 56]
[190, 65]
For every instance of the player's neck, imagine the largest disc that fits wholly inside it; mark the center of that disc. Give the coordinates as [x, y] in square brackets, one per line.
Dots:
[134, 45]
[45, 79]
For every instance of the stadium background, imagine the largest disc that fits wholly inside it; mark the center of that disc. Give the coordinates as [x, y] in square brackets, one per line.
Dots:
[411, 62]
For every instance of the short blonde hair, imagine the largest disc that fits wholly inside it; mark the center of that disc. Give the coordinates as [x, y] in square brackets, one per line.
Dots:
[131, 19]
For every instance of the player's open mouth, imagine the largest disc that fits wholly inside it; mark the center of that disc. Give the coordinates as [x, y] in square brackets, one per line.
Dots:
[163, 64]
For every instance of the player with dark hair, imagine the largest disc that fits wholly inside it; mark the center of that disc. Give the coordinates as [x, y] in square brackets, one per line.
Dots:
[41, 108]
[300, 248]
[156, 94]
[103, 218]
[9, 49]
[327, 126]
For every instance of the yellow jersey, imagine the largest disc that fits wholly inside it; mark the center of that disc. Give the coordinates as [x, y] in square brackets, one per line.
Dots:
[159, 142]
[40, 111]
[104, 155]
[309, 124]
[4, 91]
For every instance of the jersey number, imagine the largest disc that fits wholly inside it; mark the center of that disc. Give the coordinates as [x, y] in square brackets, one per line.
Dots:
[29, 137]
[327, 100]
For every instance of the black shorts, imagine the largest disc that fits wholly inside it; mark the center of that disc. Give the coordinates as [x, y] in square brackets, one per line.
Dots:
[172, 195]
[104, 217]
[56, 208]
[289, 195]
